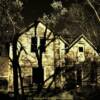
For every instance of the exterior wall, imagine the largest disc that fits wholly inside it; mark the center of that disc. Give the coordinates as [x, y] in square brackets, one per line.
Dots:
[59, 61]
[28, 59]
[59, 52]
[76, 56]
[87, 56]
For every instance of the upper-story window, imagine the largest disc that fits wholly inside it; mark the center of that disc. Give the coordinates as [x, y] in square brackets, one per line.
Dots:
[37, 43]
[80, 49]
[42, 44]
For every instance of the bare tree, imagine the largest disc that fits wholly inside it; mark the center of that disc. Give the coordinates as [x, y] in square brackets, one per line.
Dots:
[13, 27]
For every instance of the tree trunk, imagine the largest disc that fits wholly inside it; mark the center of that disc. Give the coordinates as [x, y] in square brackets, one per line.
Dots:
[15, 81]
[41, 81]
[15, 69]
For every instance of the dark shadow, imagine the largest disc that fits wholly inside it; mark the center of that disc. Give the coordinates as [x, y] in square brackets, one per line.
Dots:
[5, 96]
[50, 92]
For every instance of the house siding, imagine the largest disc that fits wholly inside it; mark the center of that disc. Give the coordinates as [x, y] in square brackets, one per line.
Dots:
[28, 59]
[88, 51]
[84, 64]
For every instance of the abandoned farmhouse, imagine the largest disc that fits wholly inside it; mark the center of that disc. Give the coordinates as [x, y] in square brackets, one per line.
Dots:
[58, 53]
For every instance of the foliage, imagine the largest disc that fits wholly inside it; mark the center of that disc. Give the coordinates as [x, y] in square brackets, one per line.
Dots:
[68, 17]
[77, 18]
[52, 20]
[12, 27]
[11, 19]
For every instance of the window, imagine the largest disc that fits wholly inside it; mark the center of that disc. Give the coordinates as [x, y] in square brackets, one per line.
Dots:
[37, 75]
[3, 83]
[42, 44]
[33, 44]
[80, 49]
[37, 42]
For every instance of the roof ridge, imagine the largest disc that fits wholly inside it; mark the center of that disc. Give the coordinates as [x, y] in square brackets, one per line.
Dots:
[78, 38]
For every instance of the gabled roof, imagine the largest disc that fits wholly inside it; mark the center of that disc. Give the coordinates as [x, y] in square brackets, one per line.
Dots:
[61, 38]
[78, 38]
[32, 24]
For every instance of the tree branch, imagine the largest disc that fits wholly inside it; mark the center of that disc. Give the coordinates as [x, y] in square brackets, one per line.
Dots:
[50, 42]
[10, 59]
[11, 20]
[21, 48]
[49, 35]
[91, 5]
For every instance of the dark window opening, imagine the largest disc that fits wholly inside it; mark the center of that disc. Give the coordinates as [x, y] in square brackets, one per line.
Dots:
[80, 49]
[33, 44]
[37, 75]
[3, 84]
[42, 44]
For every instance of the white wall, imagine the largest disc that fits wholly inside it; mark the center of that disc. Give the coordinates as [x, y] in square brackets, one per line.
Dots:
[88, 51]
[28, 59]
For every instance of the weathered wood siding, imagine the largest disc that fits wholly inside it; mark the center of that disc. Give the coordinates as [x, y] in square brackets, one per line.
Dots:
[28, 59]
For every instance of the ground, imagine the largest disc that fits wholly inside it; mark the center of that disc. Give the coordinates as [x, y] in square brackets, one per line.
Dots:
[78, 93]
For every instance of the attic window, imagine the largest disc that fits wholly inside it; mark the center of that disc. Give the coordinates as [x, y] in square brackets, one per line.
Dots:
[80, 49]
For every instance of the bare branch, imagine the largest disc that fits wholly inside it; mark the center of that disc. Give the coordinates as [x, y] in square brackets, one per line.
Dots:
[11, 20]
[25, 29]
[53, 39]
[21, 48]
[10, 59]
[45, 32]
[91, 5]
[49, 35]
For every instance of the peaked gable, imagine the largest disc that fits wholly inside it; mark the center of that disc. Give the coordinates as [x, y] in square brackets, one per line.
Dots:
[78, 39]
